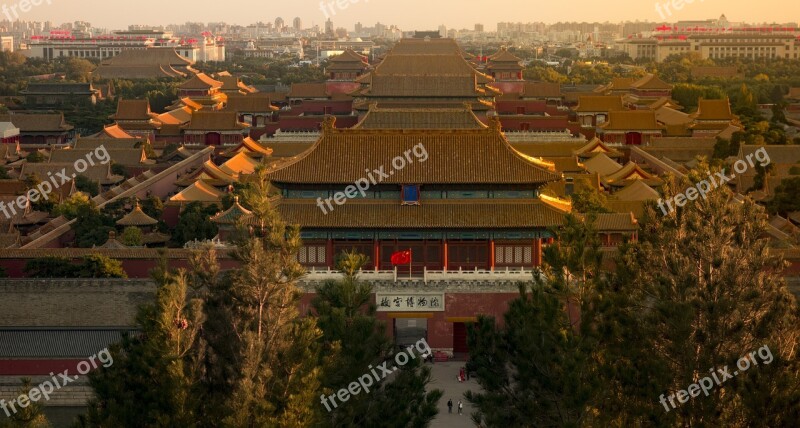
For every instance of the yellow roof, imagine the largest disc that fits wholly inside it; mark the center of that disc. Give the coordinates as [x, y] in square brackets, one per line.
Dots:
[241, 164]
[198, 192]
[602, 165]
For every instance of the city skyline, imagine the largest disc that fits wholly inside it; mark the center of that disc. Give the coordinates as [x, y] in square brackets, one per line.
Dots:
[346, 13]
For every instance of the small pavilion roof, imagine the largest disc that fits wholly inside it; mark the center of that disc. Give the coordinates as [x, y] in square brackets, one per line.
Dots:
[240, 164]
[234, 215]
[137, 217]
[133, 110]
[250, 147]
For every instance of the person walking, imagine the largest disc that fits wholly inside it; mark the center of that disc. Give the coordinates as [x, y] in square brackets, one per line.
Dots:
[460, 406]
[450, 406]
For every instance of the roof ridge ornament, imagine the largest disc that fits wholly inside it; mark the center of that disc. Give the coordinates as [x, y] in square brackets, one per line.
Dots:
[328, 124]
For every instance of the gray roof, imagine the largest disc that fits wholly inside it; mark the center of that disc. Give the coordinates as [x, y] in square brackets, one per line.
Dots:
[49, 343]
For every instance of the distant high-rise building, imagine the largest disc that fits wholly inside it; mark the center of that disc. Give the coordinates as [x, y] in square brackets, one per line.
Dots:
[329, 27]
[298, 23]
[359, 28]
[279, 24]
[479, 28]
[443, 31]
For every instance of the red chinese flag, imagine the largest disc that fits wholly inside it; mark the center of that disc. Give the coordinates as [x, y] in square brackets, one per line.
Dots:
[401, 257]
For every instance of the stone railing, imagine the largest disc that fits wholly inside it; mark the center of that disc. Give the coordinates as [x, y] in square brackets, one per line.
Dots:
[397, 276]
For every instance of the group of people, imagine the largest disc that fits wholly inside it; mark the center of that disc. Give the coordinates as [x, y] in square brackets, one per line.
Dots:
[450, 406]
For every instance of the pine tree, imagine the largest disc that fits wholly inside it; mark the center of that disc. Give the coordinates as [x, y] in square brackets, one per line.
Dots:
[262, 357]
[30, 416]
[154, 378]
[353, 340]
[700, 290]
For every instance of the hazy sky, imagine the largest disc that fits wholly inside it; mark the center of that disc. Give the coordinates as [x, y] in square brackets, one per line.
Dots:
[408, 14]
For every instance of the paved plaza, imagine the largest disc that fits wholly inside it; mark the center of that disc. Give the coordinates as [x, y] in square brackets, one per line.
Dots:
[445, 378]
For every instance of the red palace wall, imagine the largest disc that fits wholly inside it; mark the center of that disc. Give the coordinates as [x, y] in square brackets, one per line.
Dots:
[459, 307]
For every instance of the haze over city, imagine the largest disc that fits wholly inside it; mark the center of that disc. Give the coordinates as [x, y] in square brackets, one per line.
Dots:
[411, 14]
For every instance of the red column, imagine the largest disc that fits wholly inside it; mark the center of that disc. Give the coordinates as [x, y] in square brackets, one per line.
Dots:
[444, 255]
[537, 252]
[491, 254]
[376, 253]
[329, 254]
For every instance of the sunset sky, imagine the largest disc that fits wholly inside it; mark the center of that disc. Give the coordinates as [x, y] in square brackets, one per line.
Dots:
[408, 14]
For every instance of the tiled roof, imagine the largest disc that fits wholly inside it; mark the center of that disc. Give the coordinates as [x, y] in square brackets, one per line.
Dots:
[669, 116]
[713, 110]
[637, 191]
[49, 343]
[37, 122]
[114, 131]
[87, 143]
[480, 156]
[99, 173]
[348, 56]
[591, 104]
[633, 120]
[59, 88]
[602, 165]
[548, 150]
[308, 90]
[430, 86]
[420, 118]
[127, 157]
[179, 116]
[250, 146]
[137, 217]
[12, 187]
[234, 215]
[198, 192]
[240, 164]
[630, 171]
[215, 121]
[616, 223]
[622, 83]
[234, 84]
[253, 103]
[651, 82]
[133, 110]
[597, 146]
[201, 81]
[437, 214]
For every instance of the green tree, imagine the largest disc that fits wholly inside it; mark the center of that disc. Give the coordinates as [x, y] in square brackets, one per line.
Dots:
[155, 378]
[78, 70]
[50, 267]
[785, 200]
[4, 173]
[352, 340]
[100, 266]
[87, 185]
[697, 292]
[132, 236]
[195, 224]
[36, 157]
[266, 371]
